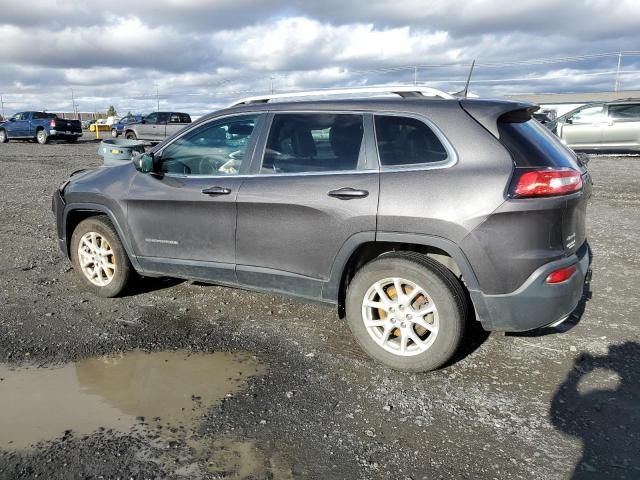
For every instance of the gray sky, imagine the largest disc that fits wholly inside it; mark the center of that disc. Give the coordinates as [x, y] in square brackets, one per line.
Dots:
[202, 54]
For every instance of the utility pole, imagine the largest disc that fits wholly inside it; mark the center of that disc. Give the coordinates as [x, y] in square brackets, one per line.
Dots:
[415, 75]
[73, 105]
[617, 84]
[2, 103]
[157, 99]
[271, 78]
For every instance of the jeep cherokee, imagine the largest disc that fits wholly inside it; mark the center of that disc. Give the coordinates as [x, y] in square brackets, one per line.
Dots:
[412, 215]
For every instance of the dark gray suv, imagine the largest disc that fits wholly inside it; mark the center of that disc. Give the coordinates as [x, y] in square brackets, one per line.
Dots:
[412, 215]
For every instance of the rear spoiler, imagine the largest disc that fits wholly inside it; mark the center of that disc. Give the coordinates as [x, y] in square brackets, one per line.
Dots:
[487, 113]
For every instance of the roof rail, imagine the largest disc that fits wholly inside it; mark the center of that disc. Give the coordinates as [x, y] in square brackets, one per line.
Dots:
[404, 91]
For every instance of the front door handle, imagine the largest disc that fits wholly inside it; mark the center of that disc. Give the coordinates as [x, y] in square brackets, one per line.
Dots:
[216, 191]
[348, 193]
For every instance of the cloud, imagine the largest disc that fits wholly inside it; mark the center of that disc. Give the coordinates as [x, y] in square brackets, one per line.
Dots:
[201, 54]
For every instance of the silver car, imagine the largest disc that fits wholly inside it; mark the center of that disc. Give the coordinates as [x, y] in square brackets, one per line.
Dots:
[157, 126]
[603, 126]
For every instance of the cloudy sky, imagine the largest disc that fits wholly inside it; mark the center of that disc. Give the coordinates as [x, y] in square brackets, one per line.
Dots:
[201, 54]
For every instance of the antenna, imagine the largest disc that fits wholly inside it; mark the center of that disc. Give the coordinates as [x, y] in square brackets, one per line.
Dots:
[463, 93]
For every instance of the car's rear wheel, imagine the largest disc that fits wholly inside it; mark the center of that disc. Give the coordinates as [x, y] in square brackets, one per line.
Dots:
[131, 136]
[99, 257]
[41, 137]
[3, 137]
[407, 311]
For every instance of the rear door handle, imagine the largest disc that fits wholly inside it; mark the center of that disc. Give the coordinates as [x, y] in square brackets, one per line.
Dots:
[348, 193]
[216, 191]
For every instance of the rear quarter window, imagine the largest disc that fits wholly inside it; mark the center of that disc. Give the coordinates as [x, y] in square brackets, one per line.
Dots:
[533, 145]
[406, 141]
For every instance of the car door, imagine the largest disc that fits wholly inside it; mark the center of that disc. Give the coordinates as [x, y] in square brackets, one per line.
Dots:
[20, 125]
[314, 187]
[182, 217]
[146, 130]
[176, 123]
[623, 127]
[160, 130]
[584, 127]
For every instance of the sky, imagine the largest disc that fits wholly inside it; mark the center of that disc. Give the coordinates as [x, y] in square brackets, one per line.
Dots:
[198, 56]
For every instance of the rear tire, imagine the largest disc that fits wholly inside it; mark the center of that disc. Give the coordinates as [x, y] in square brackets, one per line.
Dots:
[411, 333]
[99, 258]
[3, 136]
[131, 136]
[41, 137]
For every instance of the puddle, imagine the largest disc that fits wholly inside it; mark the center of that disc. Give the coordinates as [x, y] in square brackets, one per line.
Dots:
[113, 391]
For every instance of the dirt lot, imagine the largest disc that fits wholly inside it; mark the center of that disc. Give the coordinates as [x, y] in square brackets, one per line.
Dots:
[244, 385]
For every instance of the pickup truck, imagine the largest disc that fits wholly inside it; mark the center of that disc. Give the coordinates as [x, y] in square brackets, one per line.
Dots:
[41, 127]
[157, 126]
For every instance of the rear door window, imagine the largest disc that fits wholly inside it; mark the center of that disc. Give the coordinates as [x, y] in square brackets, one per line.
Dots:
[630, 112]
[405, 141]
[313, 142]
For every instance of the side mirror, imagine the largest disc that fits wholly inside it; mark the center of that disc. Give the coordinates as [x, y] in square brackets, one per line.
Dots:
[146, 162]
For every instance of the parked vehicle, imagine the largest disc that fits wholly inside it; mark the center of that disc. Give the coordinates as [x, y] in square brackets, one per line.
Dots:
[157, 126]
[100, 125]
[611, 126]
[41, 127]
[87, 123]
[409, 215]
[118, 128]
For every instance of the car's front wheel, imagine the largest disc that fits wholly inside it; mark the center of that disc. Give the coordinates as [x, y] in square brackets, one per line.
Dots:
[407, 311]
[114, 133]
[99, 258]
[3, 137]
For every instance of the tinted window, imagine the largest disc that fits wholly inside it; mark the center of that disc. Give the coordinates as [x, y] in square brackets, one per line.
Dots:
[533, 145]
[216, 148]
[625, 112]
[19, 116]
[163, 117]
[151, 118]
[41, 115]
[175, 118]
[313, 142]
[407, 141]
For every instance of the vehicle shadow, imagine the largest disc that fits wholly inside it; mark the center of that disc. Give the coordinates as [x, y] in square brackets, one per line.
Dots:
[150, 284]
[606, 418]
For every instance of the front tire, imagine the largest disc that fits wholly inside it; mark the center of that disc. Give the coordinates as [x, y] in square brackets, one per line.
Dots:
[407, 311]
[99, 258]
[41, 137]
[114, 133]
[3, 136]
[131, 136]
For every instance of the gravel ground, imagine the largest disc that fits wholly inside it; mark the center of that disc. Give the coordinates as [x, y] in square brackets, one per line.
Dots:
[544, 405]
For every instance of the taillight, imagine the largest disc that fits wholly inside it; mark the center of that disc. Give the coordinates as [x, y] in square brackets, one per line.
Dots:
[52, 123]
[548, 182]
[561, 275]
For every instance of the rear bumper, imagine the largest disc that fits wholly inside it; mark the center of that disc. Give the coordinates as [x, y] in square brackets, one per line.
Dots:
[64, 133]
[536, 304]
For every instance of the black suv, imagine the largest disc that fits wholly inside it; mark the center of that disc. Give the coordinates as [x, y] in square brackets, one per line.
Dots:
[411, 215]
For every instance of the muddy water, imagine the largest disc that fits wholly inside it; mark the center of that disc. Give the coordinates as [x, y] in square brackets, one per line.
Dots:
[114, 391]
